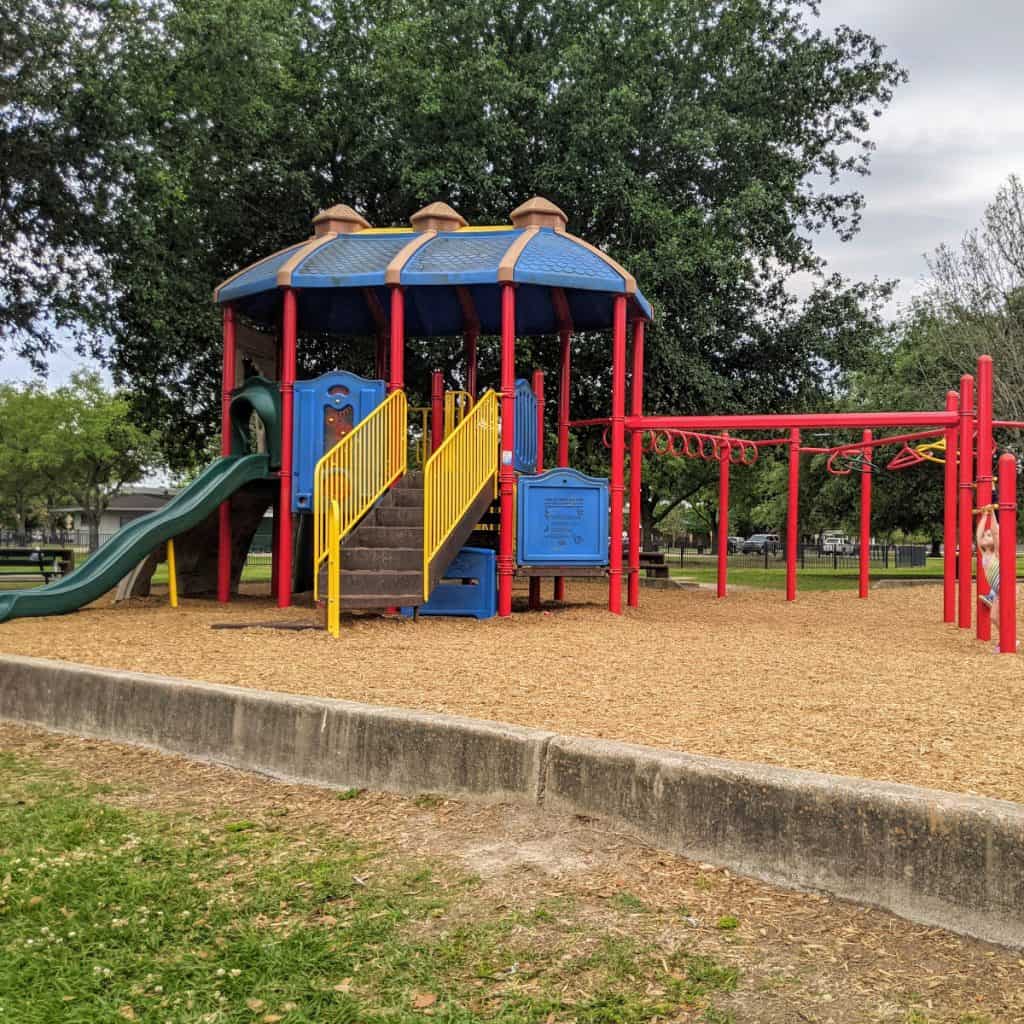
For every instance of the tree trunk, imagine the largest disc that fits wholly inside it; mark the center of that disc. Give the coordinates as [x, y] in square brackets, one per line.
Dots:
[92, 522]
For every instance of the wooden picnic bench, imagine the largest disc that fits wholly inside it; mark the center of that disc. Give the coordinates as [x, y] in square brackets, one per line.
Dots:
[48, 561]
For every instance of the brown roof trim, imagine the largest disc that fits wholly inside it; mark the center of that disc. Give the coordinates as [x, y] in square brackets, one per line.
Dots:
[252, 266]
[507, 266]
[284, 274]
[393, 274]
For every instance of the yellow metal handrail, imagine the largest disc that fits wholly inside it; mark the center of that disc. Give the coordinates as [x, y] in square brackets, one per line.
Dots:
[357, 471]
[419, 419]
[454, 475]
[456, 405]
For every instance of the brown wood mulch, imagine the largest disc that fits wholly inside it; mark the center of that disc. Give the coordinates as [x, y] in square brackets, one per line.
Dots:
[877, 688]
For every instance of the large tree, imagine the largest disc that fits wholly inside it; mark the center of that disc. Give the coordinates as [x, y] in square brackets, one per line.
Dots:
[702, 143]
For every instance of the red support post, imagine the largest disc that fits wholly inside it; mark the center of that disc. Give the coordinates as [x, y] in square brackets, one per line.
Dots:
[723, 517]
[949, 516]
[864, 566]
[289, 335]
[506, 474]
[983, 474]
[965, 494]
[224, 513]
[636, 465]
[436, 410]
[538, 393]
[792, 513]
[618, 441]
[470, 345]
[565, 368]
[396, 381]
[1007, 554]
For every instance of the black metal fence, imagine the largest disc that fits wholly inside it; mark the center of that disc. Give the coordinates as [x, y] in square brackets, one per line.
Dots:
[809, 556]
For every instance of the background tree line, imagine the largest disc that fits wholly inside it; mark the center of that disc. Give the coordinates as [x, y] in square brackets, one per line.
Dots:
[149, 148]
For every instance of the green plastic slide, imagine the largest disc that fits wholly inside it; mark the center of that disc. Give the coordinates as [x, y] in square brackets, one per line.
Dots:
[115, 559]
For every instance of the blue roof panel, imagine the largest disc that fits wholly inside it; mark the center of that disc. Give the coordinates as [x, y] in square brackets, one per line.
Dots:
[556, 261]
[453, 258]
[350, 261]
[260, 277]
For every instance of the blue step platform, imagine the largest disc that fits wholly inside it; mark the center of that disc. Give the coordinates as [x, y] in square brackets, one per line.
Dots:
[477, 599]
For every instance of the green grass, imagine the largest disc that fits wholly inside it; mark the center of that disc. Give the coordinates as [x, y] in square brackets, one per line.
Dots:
[109, 915]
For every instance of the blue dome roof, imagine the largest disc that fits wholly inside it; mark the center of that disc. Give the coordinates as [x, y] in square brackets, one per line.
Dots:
[343, 279]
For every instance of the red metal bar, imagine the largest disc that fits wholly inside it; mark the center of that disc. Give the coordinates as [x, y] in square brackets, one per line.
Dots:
[1009, 424]
[789, 421]
[538, 393]
[723, 520]
[618, 429]
[470, 343]
[436, 410]
[792, 513]
[965, 497]
[224, 512]
[983, 474]
[636, 466]
[564, 378]
[949, 504]
[289, 334]
[396, 381]
[864, 566]
[506, 478]
[1007, 554]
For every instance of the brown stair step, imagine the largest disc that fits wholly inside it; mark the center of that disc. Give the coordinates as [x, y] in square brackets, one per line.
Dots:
[399, 516]
[379, 559]
[387, 582]
[373, 536]
[355, 602]
[406, 497]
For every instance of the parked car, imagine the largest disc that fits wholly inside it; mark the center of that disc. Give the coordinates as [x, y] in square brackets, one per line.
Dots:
[759, 542]
[836, 542]
[735, 543]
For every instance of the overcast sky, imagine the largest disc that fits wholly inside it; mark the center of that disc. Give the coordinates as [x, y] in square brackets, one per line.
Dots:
[952, 135]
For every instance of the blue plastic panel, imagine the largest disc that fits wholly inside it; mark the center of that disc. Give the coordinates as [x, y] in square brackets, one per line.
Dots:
[326, 409]
[478, 598]
[525, 447]
[562, 519]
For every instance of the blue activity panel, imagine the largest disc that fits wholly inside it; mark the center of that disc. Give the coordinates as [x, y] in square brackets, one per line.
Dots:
[469, 587]
[562, 518]
[525, 450]
[326, 409]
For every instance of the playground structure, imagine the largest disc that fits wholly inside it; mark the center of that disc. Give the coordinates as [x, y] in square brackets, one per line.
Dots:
[331, 456]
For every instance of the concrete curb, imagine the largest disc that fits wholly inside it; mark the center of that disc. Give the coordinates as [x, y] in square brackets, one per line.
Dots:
[942, 859]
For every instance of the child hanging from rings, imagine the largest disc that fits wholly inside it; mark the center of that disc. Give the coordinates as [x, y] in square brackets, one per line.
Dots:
[987, 538]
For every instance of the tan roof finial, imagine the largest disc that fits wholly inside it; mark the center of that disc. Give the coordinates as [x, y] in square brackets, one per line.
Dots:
[339, 220]
[437, 217]
[540, 213]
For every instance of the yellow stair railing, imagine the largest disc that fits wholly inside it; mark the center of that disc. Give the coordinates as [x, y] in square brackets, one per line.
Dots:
[455, 474]
[356, 472]
[456, 406]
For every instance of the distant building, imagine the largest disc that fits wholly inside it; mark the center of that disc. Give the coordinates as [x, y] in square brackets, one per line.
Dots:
[125, 507]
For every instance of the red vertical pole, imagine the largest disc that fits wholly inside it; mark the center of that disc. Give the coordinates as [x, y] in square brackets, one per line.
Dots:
[224, 513]
[1007, 554]
[396, 381]
[723, 516]
[288, 362]
[636, 465]
[538, 393]
[949, 516]
[865, 518]
[436, 410]
[618, 439]
[565, 369]
[965, 493]
[470, 346]
[506, 477]
[983, 473]
[792, 513]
